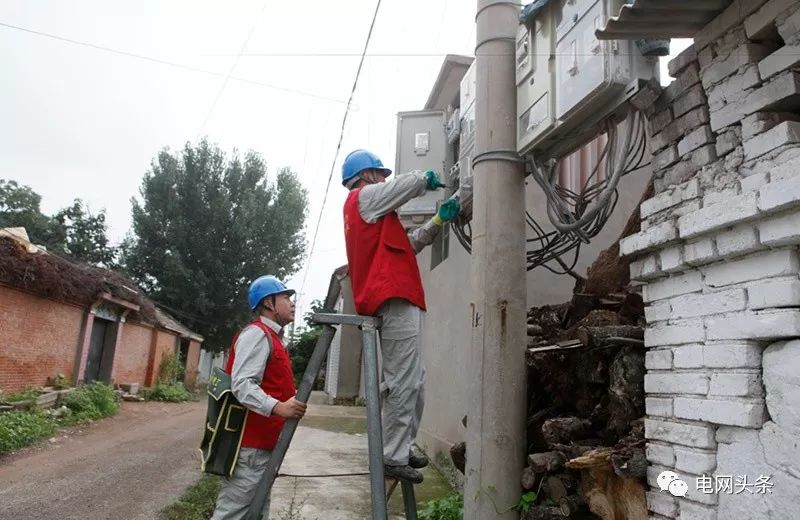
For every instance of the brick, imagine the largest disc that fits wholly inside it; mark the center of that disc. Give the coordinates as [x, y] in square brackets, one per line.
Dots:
[740, 412]
[694, 97]
[786, 166]
[730, 41]
[789, 27]
[694, 140]
[659, 311]
[781, 230]
[780, 94]
[736, 385]
[754, 267]
[692, 511]
[733, 355]
[658, 406]
[663, 504]
[754, 182]
[761, 24]
[737, 241]
[774, 293]
[658, 359]
[686, 79]
[667, 157]
[728, 141]
[646, 268]
[736, 12]
[780, 195]
[760, 122]
[660, 454]
[740, 57]
[690, 356]
[664, 335]
[695, 305]
[733, 211]
[704, 156]
[691, 480]
[676, 383]
[785, 58]
[688, 282]
[695, 435]
[672, 259]
[785, 133]
[660, 120]
[648, 239]
[733, 89]
[716, 197]
[679, 173]
[696, 462]
[772, 324]
[670, 198]
[700, 252]
[705, 57]
[682, 60]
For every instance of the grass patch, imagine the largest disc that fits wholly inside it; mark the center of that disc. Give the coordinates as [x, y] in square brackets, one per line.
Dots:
[448, 508]
[20, 429]
[29, 394]
[90, 402]
[173, 393]
[196, 503]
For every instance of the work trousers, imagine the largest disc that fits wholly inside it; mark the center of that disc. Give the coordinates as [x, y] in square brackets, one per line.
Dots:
[238, 491]
[403, 378]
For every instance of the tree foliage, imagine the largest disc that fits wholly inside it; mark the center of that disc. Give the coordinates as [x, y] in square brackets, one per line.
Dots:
[73, 231]
[206, 226]
[303, 341]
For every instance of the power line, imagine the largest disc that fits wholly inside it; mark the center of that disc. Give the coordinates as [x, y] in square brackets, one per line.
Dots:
[233, 67]
[339, 145]
[166, 62]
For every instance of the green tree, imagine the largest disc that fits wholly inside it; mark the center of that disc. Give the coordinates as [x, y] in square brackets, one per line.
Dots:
[304, 339]
[20, 207]
[206, 226]
[83, 235]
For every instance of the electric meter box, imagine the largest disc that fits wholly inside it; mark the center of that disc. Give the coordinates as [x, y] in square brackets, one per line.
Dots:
[592, 73]
[422, 145]
[535, 79]
[466, 145]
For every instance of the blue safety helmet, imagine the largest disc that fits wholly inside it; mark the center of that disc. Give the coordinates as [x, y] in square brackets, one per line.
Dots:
[264, 286]
[360, 160]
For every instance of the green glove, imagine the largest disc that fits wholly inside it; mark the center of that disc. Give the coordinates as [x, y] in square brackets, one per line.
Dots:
[448, 211]
[433, 180]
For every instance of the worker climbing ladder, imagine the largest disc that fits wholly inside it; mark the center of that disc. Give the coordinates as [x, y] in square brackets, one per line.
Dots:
[369, 326]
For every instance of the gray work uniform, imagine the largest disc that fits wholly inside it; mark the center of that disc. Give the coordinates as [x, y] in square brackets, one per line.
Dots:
[253, 348]
[401, 331]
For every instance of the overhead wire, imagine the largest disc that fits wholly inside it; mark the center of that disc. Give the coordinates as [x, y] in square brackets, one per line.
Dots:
[339, 144]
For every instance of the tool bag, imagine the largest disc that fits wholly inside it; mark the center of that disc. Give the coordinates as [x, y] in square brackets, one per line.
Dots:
[224, 429]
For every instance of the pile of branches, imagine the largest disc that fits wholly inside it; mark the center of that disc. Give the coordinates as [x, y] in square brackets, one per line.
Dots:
[56, 278]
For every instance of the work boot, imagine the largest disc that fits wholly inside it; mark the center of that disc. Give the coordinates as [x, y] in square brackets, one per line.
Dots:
[402, 473]
[417, 461]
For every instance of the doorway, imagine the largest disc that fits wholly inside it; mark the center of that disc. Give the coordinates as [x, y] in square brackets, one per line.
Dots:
[100, 360]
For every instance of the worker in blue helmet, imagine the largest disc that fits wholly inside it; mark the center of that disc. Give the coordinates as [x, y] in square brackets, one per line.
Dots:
[262, 382]
[385, 280]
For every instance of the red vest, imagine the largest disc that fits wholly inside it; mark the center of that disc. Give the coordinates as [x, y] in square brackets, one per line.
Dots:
[261, 431]
[381, 261]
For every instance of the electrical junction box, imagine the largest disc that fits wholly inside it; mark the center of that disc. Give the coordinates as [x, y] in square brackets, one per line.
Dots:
[535, 79]
[468, 89]
[591, 73]
[466, 145]
[421, 145]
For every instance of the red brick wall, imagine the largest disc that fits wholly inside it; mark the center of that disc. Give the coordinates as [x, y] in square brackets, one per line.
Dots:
[38, 339]
[130, 362]
[165, 343]
[192, 363]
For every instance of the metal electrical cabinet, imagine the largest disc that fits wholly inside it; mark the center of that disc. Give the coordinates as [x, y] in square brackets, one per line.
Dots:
[591, 73]
[535, 79]
[466, 140]
[421, 145]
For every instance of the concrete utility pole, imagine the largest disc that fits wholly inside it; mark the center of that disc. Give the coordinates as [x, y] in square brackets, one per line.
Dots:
[496, 417]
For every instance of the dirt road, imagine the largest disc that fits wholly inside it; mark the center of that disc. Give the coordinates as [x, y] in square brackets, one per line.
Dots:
[126, 467]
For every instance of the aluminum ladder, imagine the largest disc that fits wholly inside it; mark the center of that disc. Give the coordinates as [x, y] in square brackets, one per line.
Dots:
[369, 326]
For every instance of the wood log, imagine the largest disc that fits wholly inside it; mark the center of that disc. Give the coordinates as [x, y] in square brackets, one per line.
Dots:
[596, 336]
[554, 488]
[534, 329]
[630, 463]
[571, 505]
[625, 390]
[608, 496]
[563, 430]
[546, 462]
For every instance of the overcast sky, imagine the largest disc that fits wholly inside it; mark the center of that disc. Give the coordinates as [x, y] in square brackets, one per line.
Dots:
[81, 122]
